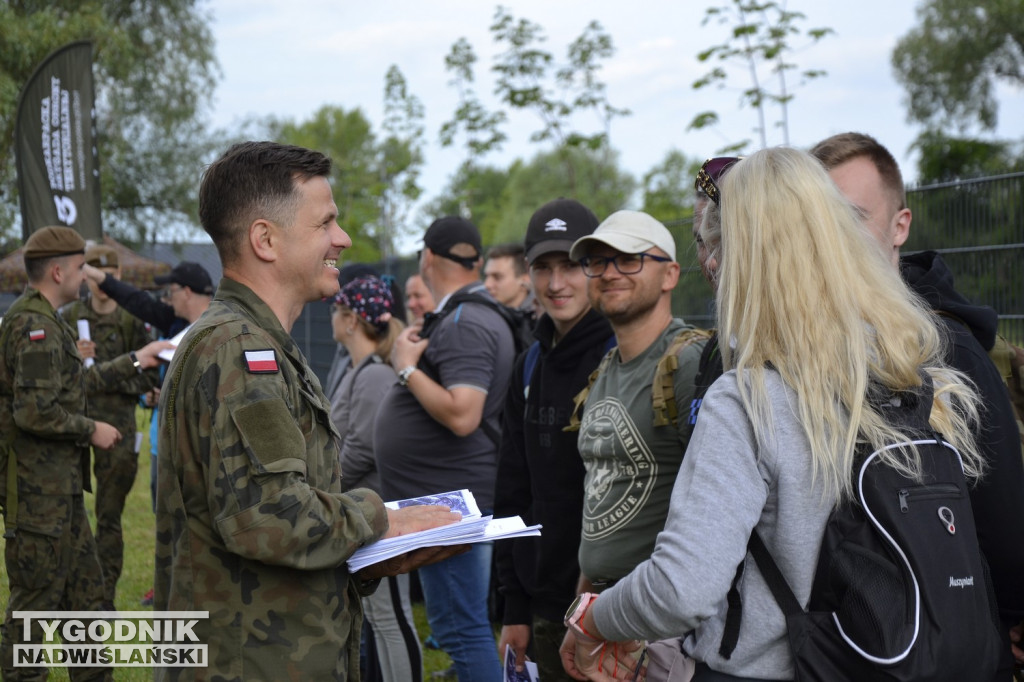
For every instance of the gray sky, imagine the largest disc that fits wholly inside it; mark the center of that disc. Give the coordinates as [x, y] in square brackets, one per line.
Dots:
[290, 58]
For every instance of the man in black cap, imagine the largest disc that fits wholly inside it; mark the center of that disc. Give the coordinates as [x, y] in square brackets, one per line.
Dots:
[438, 430]
[188, 294]
[540, 473]
[51, 554]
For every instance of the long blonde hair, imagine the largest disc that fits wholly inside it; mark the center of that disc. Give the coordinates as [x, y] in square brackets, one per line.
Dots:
[804, 290]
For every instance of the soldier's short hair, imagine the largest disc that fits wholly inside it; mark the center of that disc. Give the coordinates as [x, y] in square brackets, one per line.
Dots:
[35, 268]
[253, 180]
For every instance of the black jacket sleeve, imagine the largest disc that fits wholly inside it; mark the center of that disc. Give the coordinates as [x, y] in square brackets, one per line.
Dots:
[140, 304]
[998, 499]
[512, 497]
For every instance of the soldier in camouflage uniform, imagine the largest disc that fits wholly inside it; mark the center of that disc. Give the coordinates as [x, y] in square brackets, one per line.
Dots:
[252, 525]
[44, 462]
[114, 332]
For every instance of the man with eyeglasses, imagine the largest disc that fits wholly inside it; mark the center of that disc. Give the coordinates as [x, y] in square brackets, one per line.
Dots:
[186, 296]
[540, 473]
[631, 448]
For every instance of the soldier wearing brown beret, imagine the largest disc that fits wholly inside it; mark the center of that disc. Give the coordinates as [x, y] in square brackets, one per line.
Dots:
[44, 456]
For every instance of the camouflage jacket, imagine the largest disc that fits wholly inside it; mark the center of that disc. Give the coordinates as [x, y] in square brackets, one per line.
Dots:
[43, 397]
[114, 334]
[251, 521]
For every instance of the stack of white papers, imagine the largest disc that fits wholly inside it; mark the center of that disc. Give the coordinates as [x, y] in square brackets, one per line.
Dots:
[472, 528]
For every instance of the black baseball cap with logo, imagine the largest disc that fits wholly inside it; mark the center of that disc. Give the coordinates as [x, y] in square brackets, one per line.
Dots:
[191, 275]
[556, 225]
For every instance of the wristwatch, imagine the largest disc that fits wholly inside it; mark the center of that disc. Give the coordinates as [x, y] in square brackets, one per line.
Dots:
[574, 616]
[135, 361]
[404, 374]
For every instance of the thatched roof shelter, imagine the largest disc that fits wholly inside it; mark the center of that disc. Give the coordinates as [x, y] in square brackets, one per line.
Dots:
[135, 269]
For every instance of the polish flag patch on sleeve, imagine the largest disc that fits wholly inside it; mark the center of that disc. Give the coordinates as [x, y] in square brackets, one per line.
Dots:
[261, 361]
[37, 335]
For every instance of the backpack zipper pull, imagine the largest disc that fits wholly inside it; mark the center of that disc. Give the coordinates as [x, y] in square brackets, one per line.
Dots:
[904, 495]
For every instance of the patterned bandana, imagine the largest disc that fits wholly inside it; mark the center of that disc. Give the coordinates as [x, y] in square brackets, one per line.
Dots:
[370, 298]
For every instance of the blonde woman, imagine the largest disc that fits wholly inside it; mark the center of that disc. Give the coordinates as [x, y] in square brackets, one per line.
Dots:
[362, 321]
[814, 315]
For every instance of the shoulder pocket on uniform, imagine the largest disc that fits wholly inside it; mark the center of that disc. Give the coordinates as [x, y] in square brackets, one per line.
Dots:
[269, 432]
[34, 369]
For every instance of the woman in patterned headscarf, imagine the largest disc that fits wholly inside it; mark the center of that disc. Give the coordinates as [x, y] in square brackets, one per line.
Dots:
[363, 320]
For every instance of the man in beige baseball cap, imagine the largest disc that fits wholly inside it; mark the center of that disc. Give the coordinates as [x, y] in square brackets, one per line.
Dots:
[631, 448]
[629, 232]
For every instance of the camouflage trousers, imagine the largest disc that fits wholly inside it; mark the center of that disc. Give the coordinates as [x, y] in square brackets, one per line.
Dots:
[115, 474]
[52, 566]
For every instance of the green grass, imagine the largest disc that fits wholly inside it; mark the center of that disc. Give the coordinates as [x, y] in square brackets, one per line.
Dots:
[137, 577]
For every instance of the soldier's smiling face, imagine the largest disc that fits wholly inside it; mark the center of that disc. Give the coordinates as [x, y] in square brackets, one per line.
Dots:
[313, 242]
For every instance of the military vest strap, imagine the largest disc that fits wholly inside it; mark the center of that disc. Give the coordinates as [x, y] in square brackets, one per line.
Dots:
[581, 397]
[663, 392]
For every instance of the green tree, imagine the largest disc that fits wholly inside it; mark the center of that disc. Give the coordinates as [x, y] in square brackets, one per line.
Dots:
[599, 184]
[951, 62]
[500, 202]
[155, 72]
[943, 158]
[524, 82]
[668, 192]
[399, 160]
[347, 137]
[763, 36]
[480, 127]
[475, 192]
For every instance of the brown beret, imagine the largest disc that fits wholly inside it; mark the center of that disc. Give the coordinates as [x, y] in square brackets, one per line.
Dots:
[101, 256]
[49, 242]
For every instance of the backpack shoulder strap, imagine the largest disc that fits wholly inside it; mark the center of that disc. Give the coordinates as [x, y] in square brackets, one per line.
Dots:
[506, 313]
[529, 365]
[663, 391]
[772, 575]
[581, 397]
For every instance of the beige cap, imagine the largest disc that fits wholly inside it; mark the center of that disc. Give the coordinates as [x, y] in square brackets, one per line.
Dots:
[628, 232]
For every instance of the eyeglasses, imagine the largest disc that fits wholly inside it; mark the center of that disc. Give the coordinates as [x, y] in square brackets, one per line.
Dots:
[710, 174]
[625, 263]
[168, 292]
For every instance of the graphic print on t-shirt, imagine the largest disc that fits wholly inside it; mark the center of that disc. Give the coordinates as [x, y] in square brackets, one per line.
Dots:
[620, 469]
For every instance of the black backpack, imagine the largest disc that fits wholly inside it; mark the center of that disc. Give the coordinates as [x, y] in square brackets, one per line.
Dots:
[518, 321]
[901, 591]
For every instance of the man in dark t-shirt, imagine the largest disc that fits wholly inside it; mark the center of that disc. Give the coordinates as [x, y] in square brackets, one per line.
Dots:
[438, 429]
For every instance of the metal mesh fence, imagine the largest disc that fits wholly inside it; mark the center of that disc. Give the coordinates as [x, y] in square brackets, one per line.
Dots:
[977, 226]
